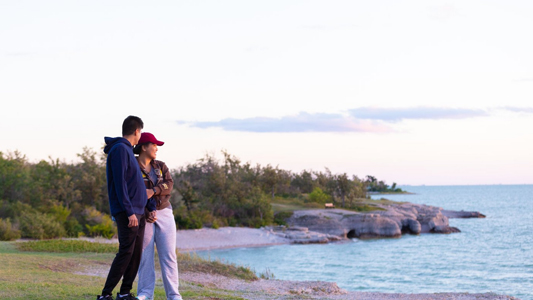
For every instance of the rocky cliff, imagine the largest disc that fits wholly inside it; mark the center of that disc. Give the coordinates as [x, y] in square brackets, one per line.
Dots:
[321, 225]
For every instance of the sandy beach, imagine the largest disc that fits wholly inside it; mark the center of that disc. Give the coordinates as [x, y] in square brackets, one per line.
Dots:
[226, 237]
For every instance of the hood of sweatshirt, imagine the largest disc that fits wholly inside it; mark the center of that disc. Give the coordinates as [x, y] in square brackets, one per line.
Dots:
[110, 142]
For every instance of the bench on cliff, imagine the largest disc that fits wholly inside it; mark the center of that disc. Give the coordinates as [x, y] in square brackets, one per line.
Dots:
[329, 205]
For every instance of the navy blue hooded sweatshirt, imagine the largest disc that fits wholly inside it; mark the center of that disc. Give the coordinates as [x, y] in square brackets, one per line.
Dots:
[125, 184]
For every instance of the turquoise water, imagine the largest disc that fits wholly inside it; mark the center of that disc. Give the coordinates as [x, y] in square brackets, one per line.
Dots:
[494, 254]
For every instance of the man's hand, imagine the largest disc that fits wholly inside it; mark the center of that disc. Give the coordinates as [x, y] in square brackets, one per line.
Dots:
[151, 217]
[133, 221]
[149, 193]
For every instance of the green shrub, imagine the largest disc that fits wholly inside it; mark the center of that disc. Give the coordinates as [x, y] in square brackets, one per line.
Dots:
[73, 228]
[14, 210]
[59, 212]
[37, 225]
[104, 230]
[7, 231]
[63, 215]
[318, 196]
[256, 223]
[281, 217]
[215, 224]
[188, 221]
[98, 224]
[268, 275]
[260, 209]
[232, 222]
[4, 209]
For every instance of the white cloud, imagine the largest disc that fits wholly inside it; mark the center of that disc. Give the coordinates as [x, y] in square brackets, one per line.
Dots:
[303, 122]
[398, 114]
[363, 119]
[519, 109]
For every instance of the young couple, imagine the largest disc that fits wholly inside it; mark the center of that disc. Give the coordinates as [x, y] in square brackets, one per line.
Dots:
[139, 190]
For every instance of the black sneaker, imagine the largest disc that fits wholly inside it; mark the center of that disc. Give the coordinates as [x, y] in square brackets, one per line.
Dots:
[106, 297]
[129, 296]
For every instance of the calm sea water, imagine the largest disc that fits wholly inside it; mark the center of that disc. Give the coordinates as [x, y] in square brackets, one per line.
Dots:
[489, 255]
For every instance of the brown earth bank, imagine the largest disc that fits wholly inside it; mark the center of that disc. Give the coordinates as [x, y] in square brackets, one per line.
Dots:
[263, 289]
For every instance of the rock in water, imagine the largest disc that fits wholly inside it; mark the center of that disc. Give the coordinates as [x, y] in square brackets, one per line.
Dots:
[398, 219]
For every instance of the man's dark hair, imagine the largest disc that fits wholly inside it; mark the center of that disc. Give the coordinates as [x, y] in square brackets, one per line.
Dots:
[131, 123]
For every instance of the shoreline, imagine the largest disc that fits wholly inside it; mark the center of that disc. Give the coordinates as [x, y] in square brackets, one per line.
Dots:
[266, 289]
[237, 237]
[390, 193]
[226, 238]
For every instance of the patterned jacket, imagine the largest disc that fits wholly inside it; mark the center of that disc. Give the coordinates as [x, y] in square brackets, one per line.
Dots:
[163, 186]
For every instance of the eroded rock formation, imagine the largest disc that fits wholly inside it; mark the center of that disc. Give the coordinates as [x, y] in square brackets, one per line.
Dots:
[320, 224]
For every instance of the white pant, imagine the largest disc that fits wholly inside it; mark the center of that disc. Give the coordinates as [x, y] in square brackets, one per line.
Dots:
[162, 234]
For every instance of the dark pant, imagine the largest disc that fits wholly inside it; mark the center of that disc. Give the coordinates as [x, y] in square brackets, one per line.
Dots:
[126, 262]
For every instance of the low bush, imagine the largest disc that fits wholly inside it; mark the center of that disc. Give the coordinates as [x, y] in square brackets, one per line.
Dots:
[281, 217]
[215, 224]
[14, 210]
[318, 196]
[7, 231]
[59, 212]
[73, 228]
[185, 220]
[98, 223]
[35, 225]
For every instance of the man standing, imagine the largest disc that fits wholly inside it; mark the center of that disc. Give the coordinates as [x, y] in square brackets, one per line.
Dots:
[127, 200]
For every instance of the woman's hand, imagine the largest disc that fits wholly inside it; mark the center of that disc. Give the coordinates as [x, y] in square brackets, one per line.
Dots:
[151, 217]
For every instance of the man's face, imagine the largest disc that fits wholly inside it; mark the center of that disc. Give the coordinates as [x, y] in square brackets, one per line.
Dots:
[137, 136]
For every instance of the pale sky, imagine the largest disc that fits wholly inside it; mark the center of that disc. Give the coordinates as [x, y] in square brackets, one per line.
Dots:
[412, 92]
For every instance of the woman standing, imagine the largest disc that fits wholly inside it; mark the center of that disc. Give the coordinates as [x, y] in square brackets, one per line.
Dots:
[160, 228]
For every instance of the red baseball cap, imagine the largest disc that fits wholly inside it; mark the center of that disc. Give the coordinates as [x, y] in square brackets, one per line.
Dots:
[147, 137]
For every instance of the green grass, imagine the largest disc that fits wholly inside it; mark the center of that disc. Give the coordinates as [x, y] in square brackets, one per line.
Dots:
[368, 205]
[46, 270]
[27, 275]
[382, 201]
[364, 208]
[391, 193]
[291, 204]
[66, 246]
[188, 262]
[359, 205]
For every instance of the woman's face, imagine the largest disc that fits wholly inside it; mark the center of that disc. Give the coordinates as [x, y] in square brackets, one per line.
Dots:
[150, 150]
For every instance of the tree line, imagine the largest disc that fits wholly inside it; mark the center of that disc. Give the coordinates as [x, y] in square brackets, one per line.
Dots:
[53, 198]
